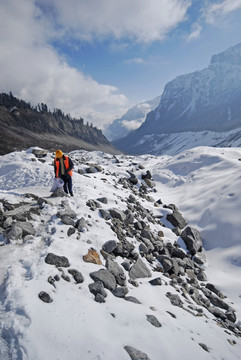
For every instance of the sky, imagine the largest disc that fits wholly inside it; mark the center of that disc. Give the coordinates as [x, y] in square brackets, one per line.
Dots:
[97, 58]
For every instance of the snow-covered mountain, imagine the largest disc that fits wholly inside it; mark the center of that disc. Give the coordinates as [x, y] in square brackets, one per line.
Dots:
[206, 100]
[111, 273]
[131, 120]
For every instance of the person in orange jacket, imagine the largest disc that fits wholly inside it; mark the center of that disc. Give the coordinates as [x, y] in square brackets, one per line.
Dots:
[63, 168]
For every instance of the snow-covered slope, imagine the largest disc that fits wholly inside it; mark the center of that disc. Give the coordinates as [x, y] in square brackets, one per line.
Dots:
[206, 100]
[173, 144]
[131, 120]
[204, 183]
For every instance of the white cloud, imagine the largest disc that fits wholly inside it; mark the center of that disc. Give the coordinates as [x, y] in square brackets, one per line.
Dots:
[135, 61]
[196, 30]
[142, 20]
[35, 72]
[220, 9]
[133, 124]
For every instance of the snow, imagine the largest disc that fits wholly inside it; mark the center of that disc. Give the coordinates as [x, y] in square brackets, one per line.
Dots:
[203, 182]
[173, 144]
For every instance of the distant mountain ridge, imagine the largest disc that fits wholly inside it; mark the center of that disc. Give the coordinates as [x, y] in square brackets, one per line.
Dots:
[131, 120]
[206, 100]
[23, 126]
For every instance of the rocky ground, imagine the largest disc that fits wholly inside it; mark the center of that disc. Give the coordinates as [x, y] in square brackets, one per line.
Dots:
[117, 244]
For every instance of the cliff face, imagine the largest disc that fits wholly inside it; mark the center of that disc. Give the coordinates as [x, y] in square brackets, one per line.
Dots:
[22, 127]
[206, 100]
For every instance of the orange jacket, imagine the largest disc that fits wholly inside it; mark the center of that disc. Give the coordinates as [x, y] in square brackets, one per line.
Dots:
[67, 164]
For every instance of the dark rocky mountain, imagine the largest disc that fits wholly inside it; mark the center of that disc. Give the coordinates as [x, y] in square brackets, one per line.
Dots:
[206, 100]
[23, 126]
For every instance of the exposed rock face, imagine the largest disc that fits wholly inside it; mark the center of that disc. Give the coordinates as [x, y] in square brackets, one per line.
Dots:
[199, 101]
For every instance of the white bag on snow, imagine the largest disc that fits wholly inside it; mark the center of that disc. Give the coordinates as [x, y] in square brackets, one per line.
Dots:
[57, 184]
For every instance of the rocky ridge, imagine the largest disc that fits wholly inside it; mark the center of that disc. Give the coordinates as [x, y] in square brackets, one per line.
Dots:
[139, 248]
[23, 126]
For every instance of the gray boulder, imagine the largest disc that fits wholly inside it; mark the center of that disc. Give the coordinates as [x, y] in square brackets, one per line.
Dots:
[81, 224]
[174, 299]
[67, 212]
[78, 277]
[215, 300]
[132, 299]
[118, 214]
[120, 291]
[59, 261]
[150, 183]
[136, 354]
[59, 193]
[105, 277]
[213, 288]
[65, 219]
[45, 297]
[192, 238]
[117, 271]
[139, 270]
[97, 288]
[156, 281]
[176, 219]
[109, 246]
[153, 320]
[13, 233]
[27, 227]
[39, 153]
[105, 214]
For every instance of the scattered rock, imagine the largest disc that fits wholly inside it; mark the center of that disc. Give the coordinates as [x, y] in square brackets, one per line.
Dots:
[120, 291]
[45, 297]
[71, 231]
[39, 153]
[118, 214]
[204, 347]
[58, 261]
[139, 270]
[92, 257]
[153, 320]
[105, 277]
[192, 239]
[156, 281]
[109, 246]
[176, 219]
[105, 214]
[99, 298]
[81, 224]
[136, 354]
[97, 288]
[174, 299]
[66, 220]
[27, 228]
[13, 233]
[212, 288]
[78, 277]
[132, 299]
[117, 271]
[172, 315]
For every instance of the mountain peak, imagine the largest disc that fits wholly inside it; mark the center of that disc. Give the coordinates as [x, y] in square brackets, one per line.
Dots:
[231, 56]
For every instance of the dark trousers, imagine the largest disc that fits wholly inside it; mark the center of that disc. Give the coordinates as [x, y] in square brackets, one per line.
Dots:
[68, 185]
